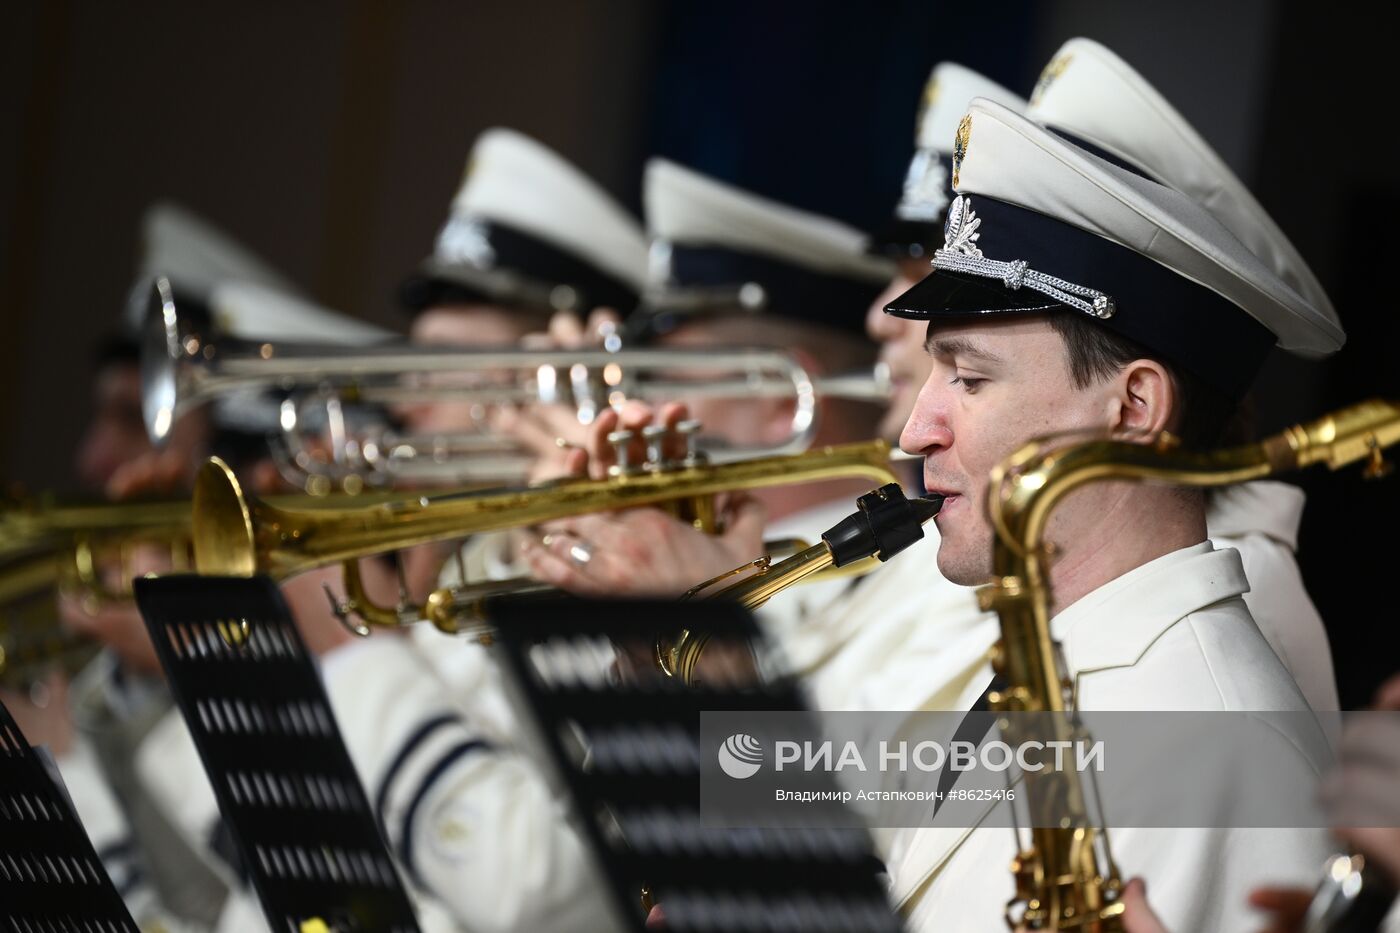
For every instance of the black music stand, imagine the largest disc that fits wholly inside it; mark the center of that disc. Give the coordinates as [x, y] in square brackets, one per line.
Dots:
[629, 752]
[50, 876]
[259, 715]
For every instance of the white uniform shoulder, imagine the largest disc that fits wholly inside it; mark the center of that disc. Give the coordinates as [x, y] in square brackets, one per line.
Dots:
[1261, 521]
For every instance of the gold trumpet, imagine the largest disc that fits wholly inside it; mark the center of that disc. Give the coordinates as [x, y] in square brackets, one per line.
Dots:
[45, 546]
[48, 549]
[235, 535]
[1066, 878]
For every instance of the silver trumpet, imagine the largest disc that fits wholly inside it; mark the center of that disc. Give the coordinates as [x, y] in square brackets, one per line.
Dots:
[327, 409]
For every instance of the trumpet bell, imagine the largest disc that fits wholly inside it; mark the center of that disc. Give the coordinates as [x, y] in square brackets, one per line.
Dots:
[162, 350]
[223, 541]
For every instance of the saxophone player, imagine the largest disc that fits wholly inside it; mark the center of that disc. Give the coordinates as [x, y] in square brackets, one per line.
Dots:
[907, 622]
[1070, 294]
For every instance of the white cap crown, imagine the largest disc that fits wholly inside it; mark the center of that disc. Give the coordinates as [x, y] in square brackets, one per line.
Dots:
[1091, 93]
[196, 256]
[513, 180]
[684, 207]
[1007, 157]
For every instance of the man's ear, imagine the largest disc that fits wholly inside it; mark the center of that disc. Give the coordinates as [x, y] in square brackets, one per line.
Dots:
[1144, 399]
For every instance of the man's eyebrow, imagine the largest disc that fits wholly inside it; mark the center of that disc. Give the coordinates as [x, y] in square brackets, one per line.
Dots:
[959, 347]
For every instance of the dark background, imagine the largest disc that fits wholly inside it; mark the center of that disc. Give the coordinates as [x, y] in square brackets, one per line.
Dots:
[330, 136]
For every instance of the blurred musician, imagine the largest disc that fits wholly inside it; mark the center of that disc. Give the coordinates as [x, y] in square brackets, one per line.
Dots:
[117, 701]
[458, 785]
[730, 268]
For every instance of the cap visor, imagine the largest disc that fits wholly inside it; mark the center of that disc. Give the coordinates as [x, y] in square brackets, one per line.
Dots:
[433, 279]
[943, 294]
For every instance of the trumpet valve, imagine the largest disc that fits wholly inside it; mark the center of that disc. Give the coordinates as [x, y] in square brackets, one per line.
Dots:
[655, 437]
[689, 430]
[621, 442]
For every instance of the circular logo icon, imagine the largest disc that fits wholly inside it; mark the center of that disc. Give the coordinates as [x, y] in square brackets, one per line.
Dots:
[740, 756]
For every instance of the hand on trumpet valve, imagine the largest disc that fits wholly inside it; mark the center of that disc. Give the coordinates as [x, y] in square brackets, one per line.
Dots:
[554, 433]
[551, 433]
[638, 437]
[643, 552]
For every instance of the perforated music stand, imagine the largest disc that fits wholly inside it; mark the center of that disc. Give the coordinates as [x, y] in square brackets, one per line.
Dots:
[259, 715]
[50, 877]
[629, 751]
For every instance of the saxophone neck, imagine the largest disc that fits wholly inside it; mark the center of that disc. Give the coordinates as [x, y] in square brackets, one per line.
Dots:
[1353, 434]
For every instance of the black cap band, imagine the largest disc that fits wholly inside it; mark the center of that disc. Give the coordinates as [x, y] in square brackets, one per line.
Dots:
[526, 271]
[1188, 325]
[715, 280]
[909, 239]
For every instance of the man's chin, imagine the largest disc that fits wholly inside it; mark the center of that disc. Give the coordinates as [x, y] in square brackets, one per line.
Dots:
[963, 569]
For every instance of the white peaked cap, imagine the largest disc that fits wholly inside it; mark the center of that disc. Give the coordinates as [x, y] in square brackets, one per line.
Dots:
[252, 311]
[196, 256]
[686, 208]
[513, 180]
[1004, 158]
[1091, 93]
[950, 88]
[926, 192]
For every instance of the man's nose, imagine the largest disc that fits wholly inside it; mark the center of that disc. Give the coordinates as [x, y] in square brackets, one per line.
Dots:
[929, 428]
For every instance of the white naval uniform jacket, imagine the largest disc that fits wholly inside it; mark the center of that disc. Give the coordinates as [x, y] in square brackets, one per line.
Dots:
[461, 789]
[170, 768]
[1261, 520]
[1172, 634]
[162, 876]
[919, 631]
[465, 794]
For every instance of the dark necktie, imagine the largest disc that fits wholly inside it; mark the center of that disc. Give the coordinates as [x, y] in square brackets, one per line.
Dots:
[972, 728]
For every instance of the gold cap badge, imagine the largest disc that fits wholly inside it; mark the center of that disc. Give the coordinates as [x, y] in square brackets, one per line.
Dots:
[1052, 71]
[960, 145]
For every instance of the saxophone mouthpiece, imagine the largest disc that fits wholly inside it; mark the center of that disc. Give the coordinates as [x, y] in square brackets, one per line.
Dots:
[926, 507]
[886, 523]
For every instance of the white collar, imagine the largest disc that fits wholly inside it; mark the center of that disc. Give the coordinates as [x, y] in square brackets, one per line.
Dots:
[1268, 508]
[1115, 624]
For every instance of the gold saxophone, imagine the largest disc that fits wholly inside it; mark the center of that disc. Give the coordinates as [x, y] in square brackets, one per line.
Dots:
[1065, 877]
[884, 523]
